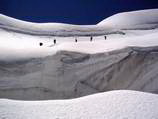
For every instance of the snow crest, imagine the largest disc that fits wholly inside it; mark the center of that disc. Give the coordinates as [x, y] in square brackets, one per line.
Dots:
[143, 19]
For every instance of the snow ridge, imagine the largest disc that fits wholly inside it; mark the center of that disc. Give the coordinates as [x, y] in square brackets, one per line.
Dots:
[57, 29]
[144, 19]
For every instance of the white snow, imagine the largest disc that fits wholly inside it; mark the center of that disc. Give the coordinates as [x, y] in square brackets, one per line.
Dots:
[20, 40]
[27, 45]
[58, 29]
[109, 105]
[143, 19]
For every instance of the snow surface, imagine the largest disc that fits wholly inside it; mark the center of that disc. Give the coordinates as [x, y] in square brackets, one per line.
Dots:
[109, 105]
[25, 44]
[19, 41]
[57, 29]
[143, 19]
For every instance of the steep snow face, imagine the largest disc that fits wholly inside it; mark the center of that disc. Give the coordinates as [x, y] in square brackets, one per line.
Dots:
[143, 19]
[70, 74]
[110, 105]
[70, 69]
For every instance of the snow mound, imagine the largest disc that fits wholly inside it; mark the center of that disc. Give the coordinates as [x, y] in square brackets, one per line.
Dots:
[143, 19]
[110, 105]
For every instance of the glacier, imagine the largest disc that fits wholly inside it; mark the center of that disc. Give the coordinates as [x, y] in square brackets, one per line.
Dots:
[126, 60]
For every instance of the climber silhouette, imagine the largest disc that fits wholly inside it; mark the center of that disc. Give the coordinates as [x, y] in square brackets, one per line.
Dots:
[105, 37]
[91, 38]
[40, 44]
[54, 41]
[76, 40]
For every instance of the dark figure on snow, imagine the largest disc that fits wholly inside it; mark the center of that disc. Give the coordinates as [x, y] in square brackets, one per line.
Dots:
[76, 40]
[54, 41]
[105, 37]
[91, 38]
[40, 44]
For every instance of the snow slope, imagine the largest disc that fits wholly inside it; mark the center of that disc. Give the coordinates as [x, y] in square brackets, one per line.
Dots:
[53, 29]
[109, 105]
[69, 69]
[142, 19]
[128, 59]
